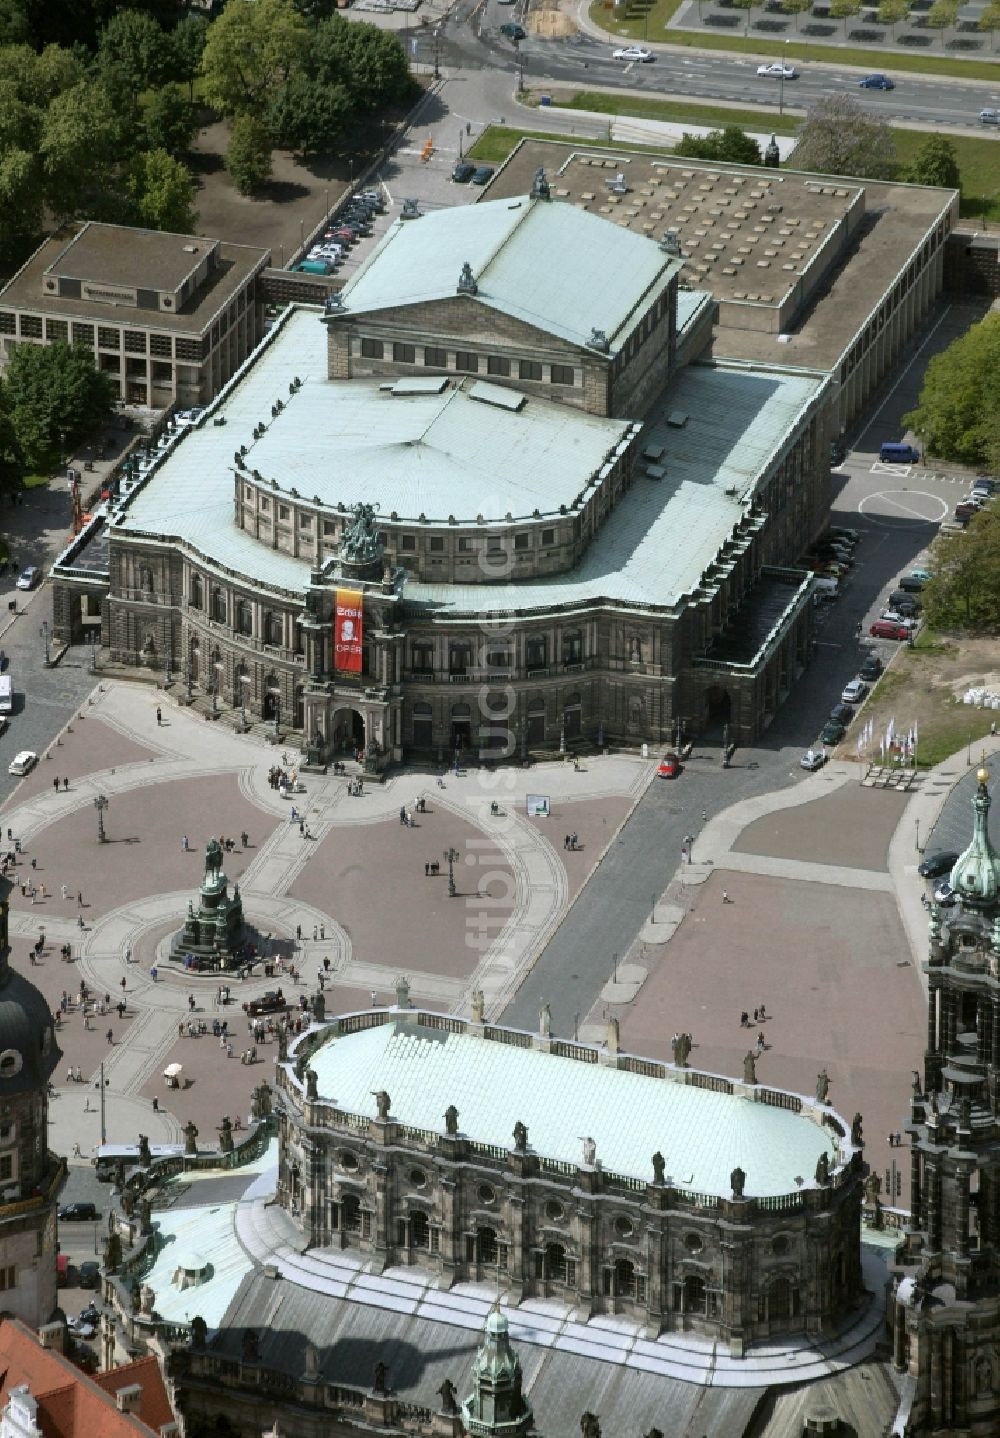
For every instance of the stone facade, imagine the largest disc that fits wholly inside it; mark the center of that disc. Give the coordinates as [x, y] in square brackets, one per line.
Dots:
[735, 1269]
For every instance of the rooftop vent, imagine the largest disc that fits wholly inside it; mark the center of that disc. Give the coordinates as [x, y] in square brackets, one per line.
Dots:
[190, 249]
[677, 419]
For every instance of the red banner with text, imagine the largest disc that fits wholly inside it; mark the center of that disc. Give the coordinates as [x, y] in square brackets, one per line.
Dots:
[347, 625]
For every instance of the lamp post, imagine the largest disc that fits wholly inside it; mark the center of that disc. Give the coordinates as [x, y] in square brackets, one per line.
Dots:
[103, 1085]
[100, 804]
[451, 855]
[45, 638]
[277, 715]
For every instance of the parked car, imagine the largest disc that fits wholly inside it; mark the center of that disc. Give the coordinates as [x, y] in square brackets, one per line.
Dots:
[270, 1002]
[871, 669]
[985, 483]
[887, 629]
[633, 52]
[944, 894]
[877, 82]
[842, 714]
[893, 616]
[854, 692]
[463, 172]
[905, 603]
[777, 71]
[840, 531]
[965, 509]
[813, 759]
[78, 1212]
[513, 30]
[924, 575]
[832, 732]
[483, 175]
[89, 1274]
[942, 861]
[29, 577]
[669, 767]
[910, 583]
[23, 763]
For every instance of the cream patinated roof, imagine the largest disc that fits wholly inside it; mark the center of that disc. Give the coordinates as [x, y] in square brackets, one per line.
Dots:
[702, 1135]
[540, 261]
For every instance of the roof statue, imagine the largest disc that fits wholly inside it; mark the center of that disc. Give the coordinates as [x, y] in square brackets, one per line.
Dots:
[975, 876]
[467, 281]
[540, 186]
[359, 541]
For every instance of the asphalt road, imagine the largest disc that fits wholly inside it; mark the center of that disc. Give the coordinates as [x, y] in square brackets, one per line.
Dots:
[470, 40]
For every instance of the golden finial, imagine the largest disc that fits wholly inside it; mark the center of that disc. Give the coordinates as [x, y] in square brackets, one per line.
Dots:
[982, 775]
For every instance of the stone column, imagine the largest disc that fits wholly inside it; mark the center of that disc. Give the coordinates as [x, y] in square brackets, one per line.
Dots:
[915, 1188]
[737, 1274]
[588, 1230]
[656, 1251]
[518, 1258]
[452, 1216]
[931, 1020]
[382, 1136]
[932, 1201]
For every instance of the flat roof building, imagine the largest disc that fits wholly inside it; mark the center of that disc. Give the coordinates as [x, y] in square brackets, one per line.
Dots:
[170, 317]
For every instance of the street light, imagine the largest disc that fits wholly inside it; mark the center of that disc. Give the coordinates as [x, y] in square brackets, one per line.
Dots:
[451, 855]
[100, 804]
[45, 638]
[102, 1085]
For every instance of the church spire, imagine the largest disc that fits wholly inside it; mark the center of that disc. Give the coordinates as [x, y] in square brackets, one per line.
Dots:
[976, 874]
[496, 1405]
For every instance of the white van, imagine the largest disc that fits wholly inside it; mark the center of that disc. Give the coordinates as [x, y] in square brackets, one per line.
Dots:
[825, 588]
[989, 117]
[6, 694]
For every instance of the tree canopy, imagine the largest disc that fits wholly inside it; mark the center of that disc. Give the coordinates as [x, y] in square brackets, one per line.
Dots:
[732, 144]
[252, 49]
[53, 395]
[162, 193]
[839, 137]
[956, 416]
[936, 163]
[248, 158]
[966, 585]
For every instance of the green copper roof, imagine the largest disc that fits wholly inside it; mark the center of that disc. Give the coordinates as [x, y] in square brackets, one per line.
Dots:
[544, 262]
[703, 1135]
[976, 874]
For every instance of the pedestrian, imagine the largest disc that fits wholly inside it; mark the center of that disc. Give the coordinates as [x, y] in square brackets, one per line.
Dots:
[566, 842]
[427, 870]
[302, 827]
[159, 715]
[55, 785]
[725, 898]
[65, 785]
[80, 922]
[761, 1045]
[34, 863]
[184, 843]
[156, 1104]
[756, 1016]
[79, 899]
[123, 978]
[315, 932]
[229, 1050]
[298, 932]
[111, 1036]
[322, 932]
[245, 839]
[763, 1013]
[744, 1020]
[65, 892]
[152, 973]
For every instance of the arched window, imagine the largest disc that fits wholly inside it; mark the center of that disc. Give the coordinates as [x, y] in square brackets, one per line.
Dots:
[459, 659]
[350, 1210]
[244, 617]
[572, 647]
[624, 1279]
[197, 597]
[695, 1294]
[782, 1299]
[555, 1262]
[219, 605]
[420, 1230]
[146, 579]
[535, 653]
[272, 628]
[486, 1245]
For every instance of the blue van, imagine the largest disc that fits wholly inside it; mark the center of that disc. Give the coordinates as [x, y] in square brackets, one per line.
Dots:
[314, 267]
[899, 454]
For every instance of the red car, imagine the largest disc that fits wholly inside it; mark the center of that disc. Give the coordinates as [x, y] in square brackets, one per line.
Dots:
[888, 629]
[669, 767]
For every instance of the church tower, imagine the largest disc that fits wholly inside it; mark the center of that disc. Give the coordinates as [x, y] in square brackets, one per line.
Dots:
[496, 1405]
[945, 1311]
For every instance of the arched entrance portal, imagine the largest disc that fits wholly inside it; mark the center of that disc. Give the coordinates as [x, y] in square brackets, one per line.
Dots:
[271, 707]
[718, 705]
[348, 732]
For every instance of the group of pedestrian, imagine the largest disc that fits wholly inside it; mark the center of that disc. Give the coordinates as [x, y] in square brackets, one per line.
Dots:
[895, 1140]
[431, 869]
[571, 841]
[355, 788]
[64, 784]
[759, 1015]
[405, 817]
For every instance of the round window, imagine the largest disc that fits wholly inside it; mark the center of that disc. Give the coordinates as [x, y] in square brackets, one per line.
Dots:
[418, 1178]
[624, 1227]
[693, 1242]
[554, 1211]
[10, 1063]
[487, 1194]
[347, 1160]
[780, 1244]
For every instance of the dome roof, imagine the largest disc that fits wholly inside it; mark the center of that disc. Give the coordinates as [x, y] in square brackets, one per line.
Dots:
[28, 1049]
[975, 876]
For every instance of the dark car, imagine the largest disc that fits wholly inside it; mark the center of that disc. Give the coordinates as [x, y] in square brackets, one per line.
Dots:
[832, 732]
[513, 31]
[905, 603]
[270, 1002]
[483, 175]
[942, 861]
[463, 172]
[842, 714]
[877, 82]
[871, 669]
[89, 1274]
[910, 583]
[74, 1212]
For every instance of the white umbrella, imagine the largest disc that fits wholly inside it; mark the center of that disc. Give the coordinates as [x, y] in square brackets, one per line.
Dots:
[173, 1070]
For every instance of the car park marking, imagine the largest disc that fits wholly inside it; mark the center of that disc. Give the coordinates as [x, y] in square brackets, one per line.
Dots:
[906, 511]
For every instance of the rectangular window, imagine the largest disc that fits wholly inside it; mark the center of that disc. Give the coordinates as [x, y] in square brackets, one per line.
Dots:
[562, 374]
[305, 520]
[497, 365]
[529, 369]
[8, 323]
[548, 536]
[435, 358]
[188, 349]
[521, 541]
[282, 511]
[408, 541]
[161, 345]
[8, 1278]
[107, 338]
[404, 354]
[464, 545]
[467, 361]
[265, 505]
[31, 327]
[329, 527]
[437, 544]
[135, 342]
[372, 349]
[163, 371]
[6, 1167]
[56, 330]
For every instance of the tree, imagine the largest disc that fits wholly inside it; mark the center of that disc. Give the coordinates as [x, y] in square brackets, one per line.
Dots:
[941, 14]
[310, 116]
[890, 12]
[161, 191]
[966, 584]
[370, 63]
[251, 50]
[956, 413]
[134, 52]
[80, 148]
[843, 10]
[936, 163]
[11, 454]
[54, 395]
[731, 144]
[170, 121]
[747, 6]
[188, 44]
[795, 8]
[838, 137]
[248, 158]
[990, 20]
[21, 203]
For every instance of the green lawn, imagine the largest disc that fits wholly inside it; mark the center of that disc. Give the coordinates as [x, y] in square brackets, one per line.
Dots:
[653, 27]
[35, 481]
[678, 110]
